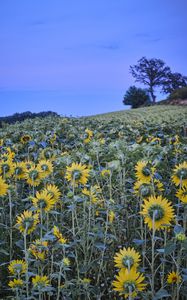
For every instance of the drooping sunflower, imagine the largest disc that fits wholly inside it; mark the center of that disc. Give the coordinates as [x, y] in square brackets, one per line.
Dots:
[6, 168]
[1, 142]
[43, 201]
[45, 168]
[105, 173]
[53, 191]
[182, 194]
[127, 258]
[39, 249]
[19, 170]
[17, 267]
[77, 174]
[27, 221]
[93, 193]
[88, 136]
[111, 216]
[3, 187]
[33, 176]
[129, 283]
[157, 212]
[179, 176]
[174, 278]
[40, 282]
[146, 190]
[26, 138]
[144, 171]
[29, 164]
[15, 283]
[62, 240]
[174, 140]
[48, 153]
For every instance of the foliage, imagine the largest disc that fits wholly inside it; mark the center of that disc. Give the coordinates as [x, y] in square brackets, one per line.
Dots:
[71, 194]
[179, 94]
[151, 72]
[173, 82]
[136, 97]
[18, 117]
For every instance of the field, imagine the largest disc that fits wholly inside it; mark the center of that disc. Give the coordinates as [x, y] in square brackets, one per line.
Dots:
[96, 207]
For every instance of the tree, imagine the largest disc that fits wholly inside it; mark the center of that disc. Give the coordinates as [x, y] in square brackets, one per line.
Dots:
[173, 82]
[151, 72]
[136, 97]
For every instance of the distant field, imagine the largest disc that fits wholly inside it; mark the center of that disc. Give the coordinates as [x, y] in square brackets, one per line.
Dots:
[95, 207]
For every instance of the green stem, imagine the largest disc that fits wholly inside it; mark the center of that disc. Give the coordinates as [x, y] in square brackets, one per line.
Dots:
[26, 261]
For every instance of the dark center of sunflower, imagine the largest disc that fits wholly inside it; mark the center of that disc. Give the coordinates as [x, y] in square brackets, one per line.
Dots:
[42, 203]
[5, 168]
[33, 174]
[146, 171]
[47, 154]
[129, 286]
[156, 212]
[26, 138]
[174, 279]
[182, 173]
[128, 261]
[76, 174]
[145, 190]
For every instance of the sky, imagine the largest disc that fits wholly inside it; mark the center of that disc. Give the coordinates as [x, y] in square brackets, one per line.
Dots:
[73, 56]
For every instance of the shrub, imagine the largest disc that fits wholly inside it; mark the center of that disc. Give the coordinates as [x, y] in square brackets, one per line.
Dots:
[179, 94]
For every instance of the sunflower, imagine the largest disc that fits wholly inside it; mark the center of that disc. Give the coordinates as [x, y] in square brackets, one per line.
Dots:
[77, 173]
[27, 221]
[43, 201]
[93, 193]
[26, 138]
[3, 187]
[155, 141]
[40, 282]
[59, 235]
[180, 175]
[88, 136]
[174, 140]
[53, 191]
[174, 277]
[127, 258]
[17, 267]
[129, 283]
[29, 164]
[144, 172]
[139, 139]
[1, 142]
[105, 173]
[66, 262]
[19, 170]
[15, 283]
[33, 176]
[7, 168]
[182, 194]
[47, 153]
[39, 249]
[9, 154]
[158, 210]
[45, 168]
[146, 190]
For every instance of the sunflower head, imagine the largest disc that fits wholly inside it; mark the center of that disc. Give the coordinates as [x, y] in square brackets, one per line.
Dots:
[16, 283]
[182, 194]
[88, 136]
[157, 212]
[33, 176]
[3, 187]
[174, 278]
[19, 170]
[25, 139]
[129, 283]
[27, 221]
[45, 168]
[179, 176]
[58, 235]
[7, 168]
[127, 258]
[39, 249]
[40, 282]
[43, 201]
[144, 171]
[77, 174]
[17, 267]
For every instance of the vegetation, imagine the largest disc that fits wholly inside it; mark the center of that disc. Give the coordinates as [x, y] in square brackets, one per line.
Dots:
[94, 208]
[136, 97]
[18, 117]
[179, 94]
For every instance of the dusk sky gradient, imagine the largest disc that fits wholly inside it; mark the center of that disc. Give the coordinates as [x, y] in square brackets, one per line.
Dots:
[73, 56]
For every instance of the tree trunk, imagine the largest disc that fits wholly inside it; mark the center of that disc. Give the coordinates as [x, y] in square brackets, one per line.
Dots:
[152, 94]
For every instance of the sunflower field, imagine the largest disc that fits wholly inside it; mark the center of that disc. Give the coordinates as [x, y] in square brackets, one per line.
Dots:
[96, 207]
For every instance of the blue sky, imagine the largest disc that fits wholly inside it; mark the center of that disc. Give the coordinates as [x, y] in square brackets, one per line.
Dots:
[73, 56]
